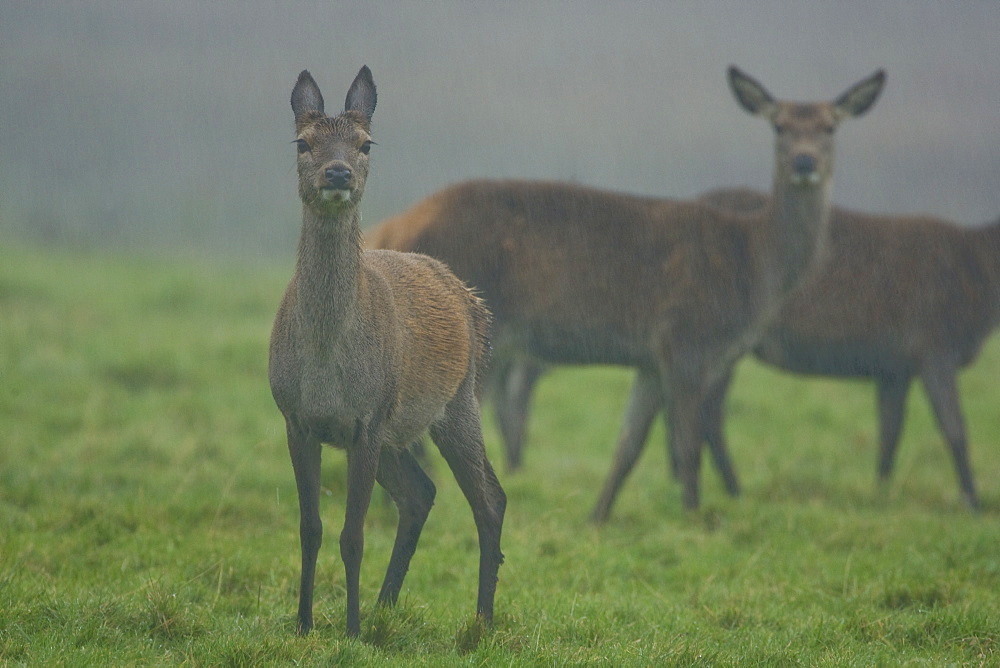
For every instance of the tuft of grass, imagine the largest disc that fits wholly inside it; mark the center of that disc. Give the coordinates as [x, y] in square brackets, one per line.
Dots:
[470, 635]
[148, 513]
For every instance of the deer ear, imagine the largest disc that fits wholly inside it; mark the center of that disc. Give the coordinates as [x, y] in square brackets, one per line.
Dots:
[751, 95]
[361, 96]
[860, 97]
[306, 97]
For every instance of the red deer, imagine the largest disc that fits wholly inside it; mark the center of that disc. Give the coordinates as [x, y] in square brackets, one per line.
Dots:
[902, 297]
[369, 350]
[677, 289]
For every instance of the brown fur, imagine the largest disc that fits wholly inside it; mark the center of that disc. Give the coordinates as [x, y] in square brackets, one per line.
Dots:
[677, 289]
[369, 350]
[902, 296]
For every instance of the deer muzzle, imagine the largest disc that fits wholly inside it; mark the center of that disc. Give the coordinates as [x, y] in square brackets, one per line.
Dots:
[337, 182]
[805, 170]
[337, 176]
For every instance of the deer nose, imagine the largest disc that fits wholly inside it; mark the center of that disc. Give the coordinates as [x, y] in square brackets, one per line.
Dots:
[338, 176]
[803, 164]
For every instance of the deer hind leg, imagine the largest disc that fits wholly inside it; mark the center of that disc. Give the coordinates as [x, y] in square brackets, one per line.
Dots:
[712, 414]
[306, 455]
[643, 404]
[942, 390]
[411, 489]
[458, 435]
[512, 402]
[891, 390]
[684, 404]
[362, 462]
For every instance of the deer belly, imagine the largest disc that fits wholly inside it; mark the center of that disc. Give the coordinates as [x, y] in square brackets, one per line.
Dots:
[584, 345]
[338, 433]
[829, 358]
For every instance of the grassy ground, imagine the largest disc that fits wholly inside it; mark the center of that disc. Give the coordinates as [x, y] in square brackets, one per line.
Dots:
[148, 512]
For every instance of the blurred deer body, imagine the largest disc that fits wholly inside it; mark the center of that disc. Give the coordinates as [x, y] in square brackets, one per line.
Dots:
[902, 297]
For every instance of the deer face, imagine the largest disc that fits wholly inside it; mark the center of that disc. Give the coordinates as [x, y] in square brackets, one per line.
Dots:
[333, 161]
[804, 132]
[333, 151]
[803, 148]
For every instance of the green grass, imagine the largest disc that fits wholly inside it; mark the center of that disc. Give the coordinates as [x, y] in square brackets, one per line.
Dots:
[148, 511]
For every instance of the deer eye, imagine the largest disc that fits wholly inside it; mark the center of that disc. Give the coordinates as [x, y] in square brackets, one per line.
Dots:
[366, 147]
[302, 145]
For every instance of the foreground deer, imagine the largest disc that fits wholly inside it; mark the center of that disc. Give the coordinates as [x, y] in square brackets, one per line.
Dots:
[369, 349]
[677, 289]
[901, 297]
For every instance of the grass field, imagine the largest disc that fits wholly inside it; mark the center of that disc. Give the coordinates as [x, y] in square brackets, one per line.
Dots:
[148, 511]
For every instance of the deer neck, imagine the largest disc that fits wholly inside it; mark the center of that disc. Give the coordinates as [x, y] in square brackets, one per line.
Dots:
[327, 275]
[797, 234]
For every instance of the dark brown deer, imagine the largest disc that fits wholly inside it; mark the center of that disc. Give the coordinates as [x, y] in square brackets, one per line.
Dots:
[678, 289]
[902, 297]
[369, 350]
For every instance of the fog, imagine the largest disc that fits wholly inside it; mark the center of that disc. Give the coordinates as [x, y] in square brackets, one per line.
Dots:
[167, 125]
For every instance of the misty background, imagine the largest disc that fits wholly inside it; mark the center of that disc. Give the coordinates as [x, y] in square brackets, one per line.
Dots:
[143, 124]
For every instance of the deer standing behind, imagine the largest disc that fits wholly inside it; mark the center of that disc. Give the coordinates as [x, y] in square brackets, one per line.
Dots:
[369, 350]
[900, 297]
[903, 297]
[678, 289]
